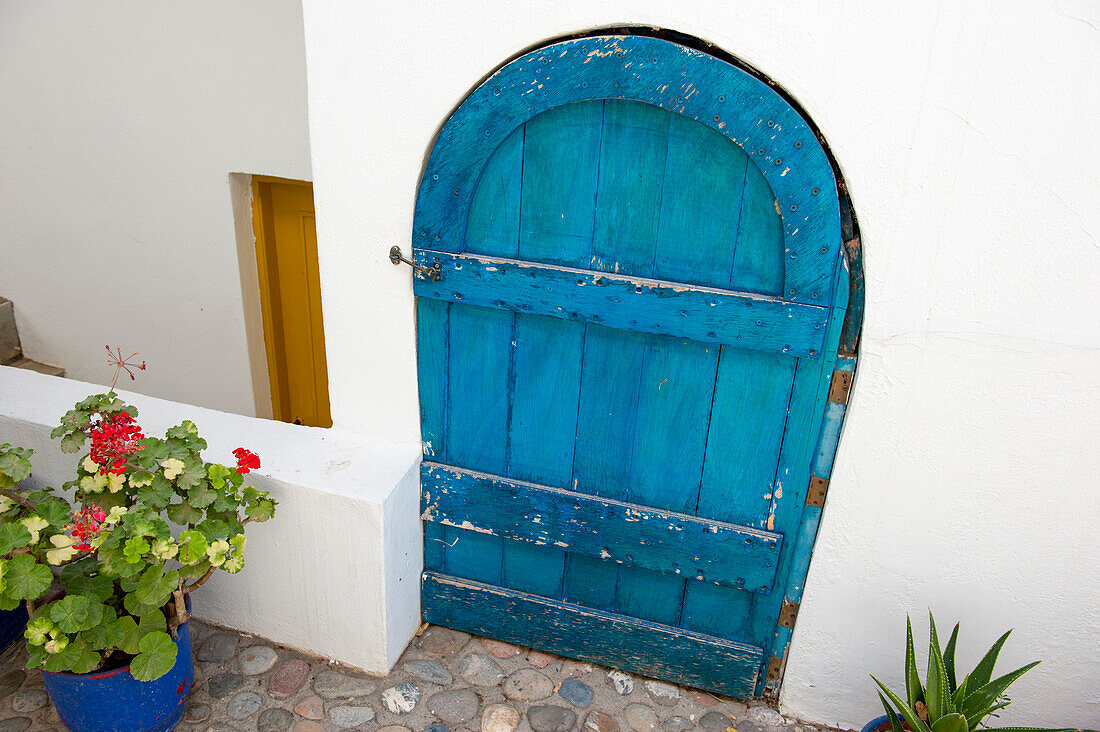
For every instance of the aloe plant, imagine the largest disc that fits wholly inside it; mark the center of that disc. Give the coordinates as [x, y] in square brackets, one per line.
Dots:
[943, 704]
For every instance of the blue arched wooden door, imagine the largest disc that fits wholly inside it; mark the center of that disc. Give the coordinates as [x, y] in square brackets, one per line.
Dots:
[625, 364]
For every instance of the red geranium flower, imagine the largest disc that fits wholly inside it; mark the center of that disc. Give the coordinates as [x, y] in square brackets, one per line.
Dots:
[114, 439]
[246, 460]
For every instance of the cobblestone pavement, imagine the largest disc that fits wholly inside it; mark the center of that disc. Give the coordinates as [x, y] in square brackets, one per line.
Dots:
[446, 681]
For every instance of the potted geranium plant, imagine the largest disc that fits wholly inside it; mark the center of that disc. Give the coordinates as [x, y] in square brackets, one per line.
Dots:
[105, 565]
[944, 703]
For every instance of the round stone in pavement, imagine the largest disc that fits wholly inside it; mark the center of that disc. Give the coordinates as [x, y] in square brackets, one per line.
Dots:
[664, 694]
[549, 718]
[435, 728]
[443, 641]
[312, 707]
[223, 685]
[499, 649]
[480, 670]
[456, 706]
[766, 716]
[274, 720]
[499, 718]
[218, 648]
[640, 717]
[335, 685]
[196, 712]
[305, 725]
[244, 705]
[527, 684]
[348, 717]
[288, 677]
[401, 699]
[29, 700]
[431, 671]
[678, 724]
[575, 692]
[600, 722]
[704, 698]
[395, 728]
[716, 721]
[15, 724]
[257, 659]
[11, 681]
[622, 682]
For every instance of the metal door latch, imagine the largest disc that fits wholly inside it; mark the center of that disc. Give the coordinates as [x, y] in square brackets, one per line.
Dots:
[433, 273]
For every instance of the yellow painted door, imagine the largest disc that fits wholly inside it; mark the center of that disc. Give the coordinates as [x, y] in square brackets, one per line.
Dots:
[290, 293]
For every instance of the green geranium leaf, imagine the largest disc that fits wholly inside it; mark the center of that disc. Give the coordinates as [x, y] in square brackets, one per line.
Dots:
[77, 657]
[107, 634]
[158, 493]
[133, 605]
[98, 588]
[135, 547]
[261, 510]
[184, 513]
[36, 656]
[107, 501]
[26, 579]
[13, 536]
[55, 511]
[15, 463]
[192, 547]
[196, 570]
[72, 442]
[70, 613]
[133, 631]
[201, 495]
[214, 529]
[7, 602]
[156, 658]
[155, 588]
[194, 473]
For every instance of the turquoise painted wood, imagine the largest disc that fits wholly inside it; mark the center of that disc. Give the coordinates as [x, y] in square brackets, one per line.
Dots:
[654, 306]
[625, 533]
[624, 367]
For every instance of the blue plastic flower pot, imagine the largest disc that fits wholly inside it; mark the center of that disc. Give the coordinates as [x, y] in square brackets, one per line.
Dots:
[12, 623]
[114, 701]
[876, 723]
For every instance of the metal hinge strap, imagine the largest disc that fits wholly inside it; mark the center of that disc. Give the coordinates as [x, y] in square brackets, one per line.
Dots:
[788, 613]
[775, 670]
[819, 488]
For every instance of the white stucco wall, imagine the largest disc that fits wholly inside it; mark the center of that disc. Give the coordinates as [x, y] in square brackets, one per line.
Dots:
[122, 121]
[966, 132]
[335, 572]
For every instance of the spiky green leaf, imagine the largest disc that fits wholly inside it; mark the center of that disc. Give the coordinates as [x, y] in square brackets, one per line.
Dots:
[915, 723]
[949, 660]
[953, 722]
[895, 720]
[913, 689]
[983, 672]
[981, 701]
[936, 694]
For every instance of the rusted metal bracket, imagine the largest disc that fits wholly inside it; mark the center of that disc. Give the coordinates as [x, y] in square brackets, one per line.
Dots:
[433, 273]
[773, 675]
[815, 496]
[788, 614]
[840, 386]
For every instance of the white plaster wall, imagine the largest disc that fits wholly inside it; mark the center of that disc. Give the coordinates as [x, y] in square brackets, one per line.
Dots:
[965, 480]
[335, 572]
[120, 125]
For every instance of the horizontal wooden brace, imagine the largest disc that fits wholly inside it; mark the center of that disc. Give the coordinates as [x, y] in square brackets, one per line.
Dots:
[740, 319]
[633, 535]
[631, 644]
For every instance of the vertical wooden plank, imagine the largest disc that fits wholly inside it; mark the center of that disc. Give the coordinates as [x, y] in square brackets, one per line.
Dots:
[542, 434]
[758, 263]
[477, 421]
[493, 223]
[560, 171]
[701, 205]
[431, 365]
[628, 203]
[605, 439]
[559, 175]
[669, 445]
[808, 398]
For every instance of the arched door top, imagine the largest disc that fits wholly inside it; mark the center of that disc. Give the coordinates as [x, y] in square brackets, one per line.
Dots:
[659, 72]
